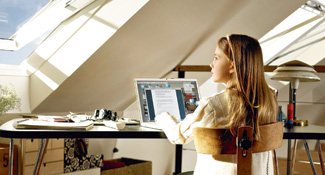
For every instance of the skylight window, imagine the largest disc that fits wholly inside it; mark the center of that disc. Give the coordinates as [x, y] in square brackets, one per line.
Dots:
[300, 31]
[13, 14]
[18, 56]
[27, 33]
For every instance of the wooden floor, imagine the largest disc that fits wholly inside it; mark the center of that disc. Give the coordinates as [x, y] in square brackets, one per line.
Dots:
[302, 165]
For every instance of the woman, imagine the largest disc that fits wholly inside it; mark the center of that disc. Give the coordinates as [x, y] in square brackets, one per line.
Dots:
[247, 100]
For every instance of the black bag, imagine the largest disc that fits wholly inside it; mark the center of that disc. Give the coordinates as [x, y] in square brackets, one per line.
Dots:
[80, 147]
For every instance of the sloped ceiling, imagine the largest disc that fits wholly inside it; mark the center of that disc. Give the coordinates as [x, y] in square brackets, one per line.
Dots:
[157, 38]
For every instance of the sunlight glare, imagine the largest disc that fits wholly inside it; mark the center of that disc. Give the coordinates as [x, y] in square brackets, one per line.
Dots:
[50, 83]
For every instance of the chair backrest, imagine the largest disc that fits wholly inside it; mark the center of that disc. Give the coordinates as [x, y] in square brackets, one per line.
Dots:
[220, 141]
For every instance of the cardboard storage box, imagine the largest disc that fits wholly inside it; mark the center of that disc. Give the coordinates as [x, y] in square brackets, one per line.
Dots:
[132, 167]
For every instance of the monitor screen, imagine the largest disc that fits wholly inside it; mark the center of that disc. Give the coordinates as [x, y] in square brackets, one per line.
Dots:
[179, 97]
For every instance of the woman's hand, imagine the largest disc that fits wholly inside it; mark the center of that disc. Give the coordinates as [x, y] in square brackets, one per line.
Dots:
[162, 115]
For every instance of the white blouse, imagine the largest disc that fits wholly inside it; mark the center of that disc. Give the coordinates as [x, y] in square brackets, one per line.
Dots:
[211, 112]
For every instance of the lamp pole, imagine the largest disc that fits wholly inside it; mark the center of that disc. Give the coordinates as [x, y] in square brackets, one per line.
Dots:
[294, 83]
[289, 140]
[293, 86]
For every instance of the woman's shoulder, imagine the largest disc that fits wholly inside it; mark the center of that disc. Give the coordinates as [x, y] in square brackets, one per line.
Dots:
[218, 96]
[220, 101]
[213, 100]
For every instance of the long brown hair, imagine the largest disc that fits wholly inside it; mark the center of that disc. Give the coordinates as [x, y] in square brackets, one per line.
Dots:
[251, 101]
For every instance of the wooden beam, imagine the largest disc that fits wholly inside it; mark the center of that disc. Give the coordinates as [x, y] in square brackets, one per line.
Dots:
[319, 69]
[194, 68]
[202, 68]
[269, 68]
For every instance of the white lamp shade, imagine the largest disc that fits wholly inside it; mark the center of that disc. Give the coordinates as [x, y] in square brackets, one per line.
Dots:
[295, 70]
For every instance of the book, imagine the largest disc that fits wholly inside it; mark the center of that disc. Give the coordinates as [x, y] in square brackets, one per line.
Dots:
[41, 124]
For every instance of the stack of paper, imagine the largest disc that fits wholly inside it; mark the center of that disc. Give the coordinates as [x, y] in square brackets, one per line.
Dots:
[41, 124]
[51, 118]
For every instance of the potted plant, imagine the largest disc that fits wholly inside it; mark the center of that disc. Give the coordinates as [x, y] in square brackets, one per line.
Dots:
[9, 99]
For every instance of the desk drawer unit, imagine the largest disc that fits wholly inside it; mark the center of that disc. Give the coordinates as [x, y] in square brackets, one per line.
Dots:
[53, 158]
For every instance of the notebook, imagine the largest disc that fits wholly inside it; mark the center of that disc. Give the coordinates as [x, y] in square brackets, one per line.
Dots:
[178, 97]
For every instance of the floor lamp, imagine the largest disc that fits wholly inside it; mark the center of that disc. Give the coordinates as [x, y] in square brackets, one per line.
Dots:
[295, 72]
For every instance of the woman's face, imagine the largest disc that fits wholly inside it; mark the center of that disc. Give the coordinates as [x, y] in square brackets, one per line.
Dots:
[221, 67]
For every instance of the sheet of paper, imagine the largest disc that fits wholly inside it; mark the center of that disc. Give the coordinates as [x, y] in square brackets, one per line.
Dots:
[52, 118]
[165, 100]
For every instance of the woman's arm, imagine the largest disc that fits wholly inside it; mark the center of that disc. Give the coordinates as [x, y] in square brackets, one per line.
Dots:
[181, 133]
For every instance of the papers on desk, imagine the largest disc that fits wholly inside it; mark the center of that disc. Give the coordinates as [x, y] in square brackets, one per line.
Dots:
[54, 118]
[39, 124]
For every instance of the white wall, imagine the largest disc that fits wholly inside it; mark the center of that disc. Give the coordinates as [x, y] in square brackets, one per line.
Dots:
[16, 77]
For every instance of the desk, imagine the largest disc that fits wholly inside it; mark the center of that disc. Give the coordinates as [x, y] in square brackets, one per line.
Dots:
[310, 132]
[8, 131]
[99, 131]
